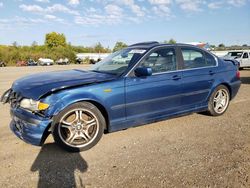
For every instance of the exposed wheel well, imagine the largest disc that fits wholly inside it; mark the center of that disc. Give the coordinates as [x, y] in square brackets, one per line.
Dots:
[45, 134]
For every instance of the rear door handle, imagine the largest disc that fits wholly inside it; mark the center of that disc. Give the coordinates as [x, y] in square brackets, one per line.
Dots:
[176, 77]
[211, 72]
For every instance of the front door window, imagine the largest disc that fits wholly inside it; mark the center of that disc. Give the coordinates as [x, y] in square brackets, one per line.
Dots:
[161, 60]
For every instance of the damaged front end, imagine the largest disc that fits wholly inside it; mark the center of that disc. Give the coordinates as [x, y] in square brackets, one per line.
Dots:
[27, 125]
[5, 98]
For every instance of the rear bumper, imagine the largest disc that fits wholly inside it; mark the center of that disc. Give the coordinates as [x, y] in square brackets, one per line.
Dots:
[29, 127]
[235, 86]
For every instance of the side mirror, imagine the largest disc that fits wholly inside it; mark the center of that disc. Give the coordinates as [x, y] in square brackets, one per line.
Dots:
[143, 71]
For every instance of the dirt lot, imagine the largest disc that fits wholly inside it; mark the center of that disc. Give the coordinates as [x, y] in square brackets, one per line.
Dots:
[190, 151]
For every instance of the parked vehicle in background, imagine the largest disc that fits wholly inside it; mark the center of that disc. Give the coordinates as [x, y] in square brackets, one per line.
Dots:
[243, 57]
[62, 61]
[21, 63]
[45, 61]
[79, 60]
[140, 84]
[2, 64]
[31, 62]
[92, 61]
[92, 57]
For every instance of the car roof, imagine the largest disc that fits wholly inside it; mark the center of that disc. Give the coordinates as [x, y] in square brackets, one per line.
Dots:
[152, 44]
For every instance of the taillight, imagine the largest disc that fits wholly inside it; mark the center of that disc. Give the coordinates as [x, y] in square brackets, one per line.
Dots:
[238, 74]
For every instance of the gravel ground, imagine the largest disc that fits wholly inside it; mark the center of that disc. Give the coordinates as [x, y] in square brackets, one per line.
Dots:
[190, 151]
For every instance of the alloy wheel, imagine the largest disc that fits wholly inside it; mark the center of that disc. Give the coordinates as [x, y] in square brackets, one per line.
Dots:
[78, 127]
[221, 100]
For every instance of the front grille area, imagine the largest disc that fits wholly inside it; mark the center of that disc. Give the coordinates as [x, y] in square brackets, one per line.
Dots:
[15, 99]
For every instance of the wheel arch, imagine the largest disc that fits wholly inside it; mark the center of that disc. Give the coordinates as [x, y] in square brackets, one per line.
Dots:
[102, 110]
[219, 84]
[100, 107]
[229, 89]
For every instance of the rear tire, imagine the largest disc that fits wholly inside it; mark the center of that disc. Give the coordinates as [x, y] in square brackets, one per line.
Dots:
[219, 101]
[78, 127]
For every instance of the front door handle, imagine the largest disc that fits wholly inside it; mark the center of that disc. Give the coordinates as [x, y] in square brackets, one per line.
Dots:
[176, 77]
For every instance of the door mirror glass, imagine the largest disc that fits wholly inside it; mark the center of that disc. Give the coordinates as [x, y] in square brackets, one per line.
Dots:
[143, 71]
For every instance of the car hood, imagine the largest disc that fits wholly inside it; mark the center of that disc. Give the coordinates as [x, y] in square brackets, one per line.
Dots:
[38, 85]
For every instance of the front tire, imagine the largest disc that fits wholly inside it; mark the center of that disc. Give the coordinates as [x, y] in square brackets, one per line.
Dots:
[78, 127]
[219, 101]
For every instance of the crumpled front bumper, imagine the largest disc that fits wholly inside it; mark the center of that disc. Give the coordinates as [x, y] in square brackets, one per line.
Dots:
[29, 127]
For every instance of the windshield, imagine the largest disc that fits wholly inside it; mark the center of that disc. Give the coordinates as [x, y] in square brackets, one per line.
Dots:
[234, 54]
[118, 62]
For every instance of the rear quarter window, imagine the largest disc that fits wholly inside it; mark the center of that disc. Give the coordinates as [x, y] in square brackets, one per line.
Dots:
[210, 60]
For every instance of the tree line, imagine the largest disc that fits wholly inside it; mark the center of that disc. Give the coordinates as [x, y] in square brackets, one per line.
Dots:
[55, 47]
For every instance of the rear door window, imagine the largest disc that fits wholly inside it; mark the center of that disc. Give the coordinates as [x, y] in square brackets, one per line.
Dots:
[195, 58]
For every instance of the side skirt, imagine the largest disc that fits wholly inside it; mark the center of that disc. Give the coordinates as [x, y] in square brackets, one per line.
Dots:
[138, 122]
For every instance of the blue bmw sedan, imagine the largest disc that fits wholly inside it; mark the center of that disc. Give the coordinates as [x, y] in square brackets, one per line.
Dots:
[143, 83]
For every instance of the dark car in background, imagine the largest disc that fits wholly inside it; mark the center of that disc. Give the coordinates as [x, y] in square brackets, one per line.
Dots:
[143, 83]
[31, 62]
[2, 64]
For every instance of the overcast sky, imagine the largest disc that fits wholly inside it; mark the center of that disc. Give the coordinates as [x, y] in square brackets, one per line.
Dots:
[86, 22]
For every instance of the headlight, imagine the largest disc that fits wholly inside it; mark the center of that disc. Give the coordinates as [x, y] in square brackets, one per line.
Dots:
[33, 105]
